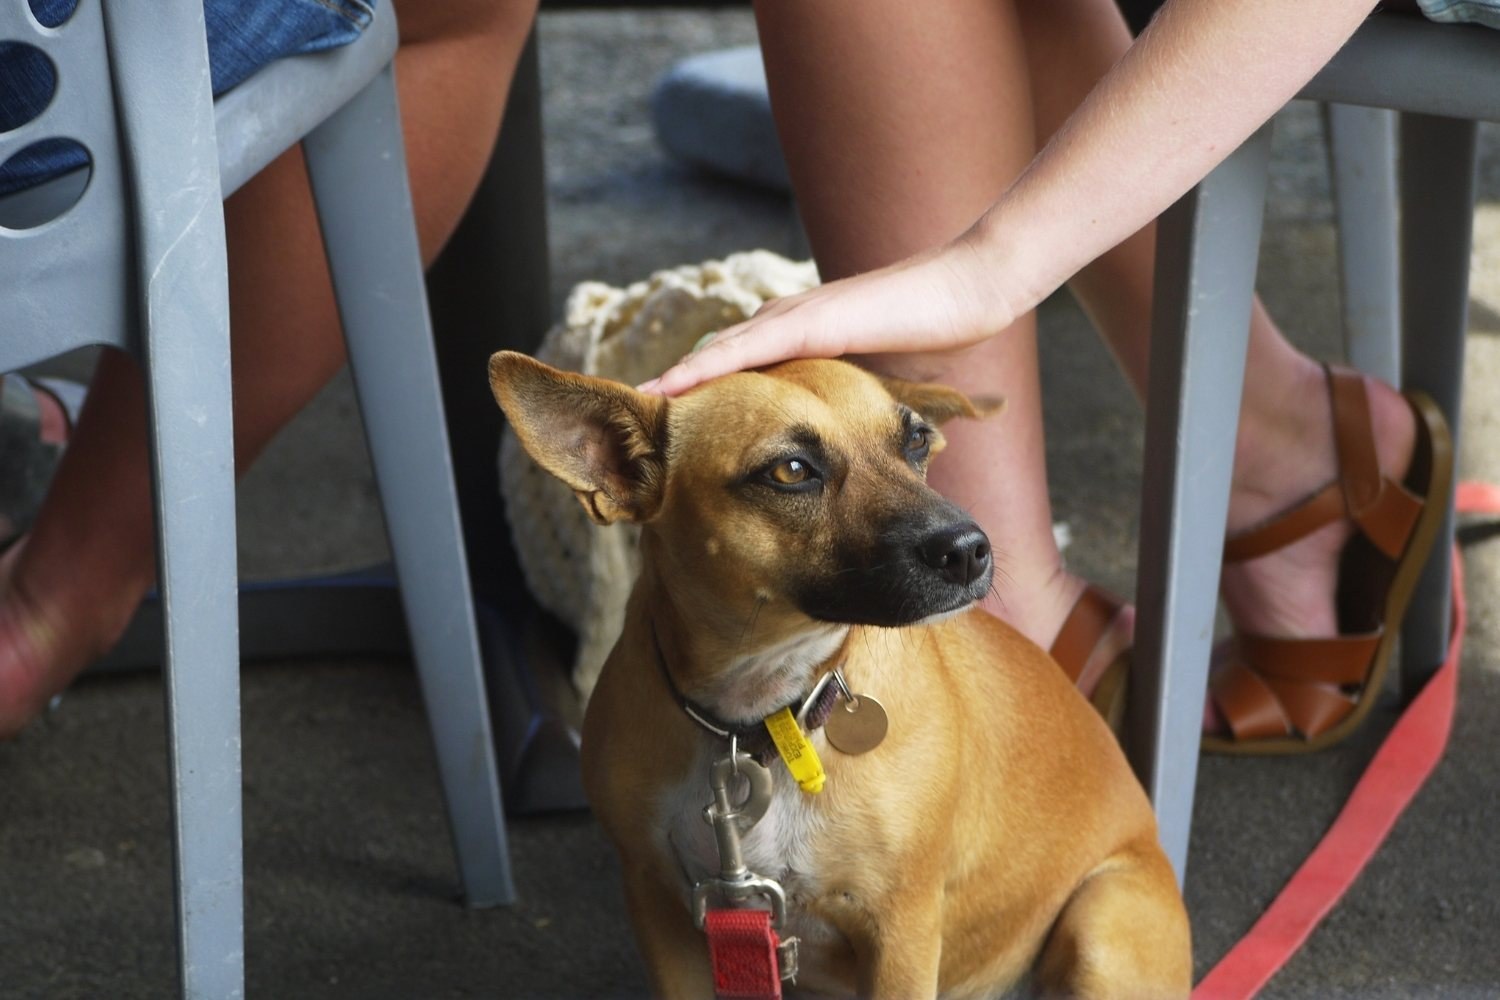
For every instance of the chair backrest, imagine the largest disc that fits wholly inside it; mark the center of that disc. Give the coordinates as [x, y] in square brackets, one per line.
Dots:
[63, 283]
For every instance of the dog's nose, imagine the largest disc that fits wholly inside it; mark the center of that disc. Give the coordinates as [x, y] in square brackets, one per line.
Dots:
[961, 554]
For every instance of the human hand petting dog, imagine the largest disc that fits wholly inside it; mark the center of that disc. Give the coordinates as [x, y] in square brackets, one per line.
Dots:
[943, 300]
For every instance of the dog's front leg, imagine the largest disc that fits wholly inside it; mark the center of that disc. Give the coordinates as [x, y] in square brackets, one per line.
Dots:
[905, 949]
[675, 951]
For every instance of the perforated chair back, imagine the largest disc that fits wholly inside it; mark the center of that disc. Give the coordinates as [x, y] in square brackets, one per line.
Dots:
[64, 283]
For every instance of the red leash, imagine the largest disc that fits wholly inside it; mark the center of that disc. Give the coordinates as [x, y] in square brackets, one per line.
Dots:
[1397, 772]
[742, 946]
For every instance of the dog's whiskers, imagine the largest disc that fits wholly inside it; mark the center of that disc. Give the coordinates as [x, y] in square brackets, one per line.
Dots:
[749, 627]
[861, 569]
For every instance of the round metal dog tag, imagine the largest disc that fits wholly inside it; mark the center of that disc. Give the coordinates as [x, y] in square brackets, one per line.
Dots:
[857, 726]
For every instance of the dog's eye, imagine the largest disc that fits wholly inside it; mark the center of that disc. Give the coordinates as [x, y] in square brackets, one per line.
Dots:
[790, 475]
[791, 472]
[918, 441]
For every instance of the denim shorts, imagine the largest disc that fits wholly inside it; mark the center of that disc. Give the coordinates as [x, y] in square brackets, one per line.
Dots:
[243, 36]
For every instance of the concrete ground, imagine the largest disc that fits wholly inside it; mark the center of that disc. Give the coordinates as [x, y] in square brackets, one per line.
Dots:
[350, 883]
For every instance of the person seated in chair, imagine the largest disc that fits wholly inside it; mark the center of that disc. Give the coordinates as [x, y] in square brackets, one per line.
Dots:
[71, 582]
[956, 163]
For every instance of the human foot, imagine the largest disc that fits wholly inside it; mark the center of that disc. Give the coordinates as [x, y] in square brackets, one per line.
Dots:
[47, 636]
[1092, 647]
[1290, 591]
[1299, 566]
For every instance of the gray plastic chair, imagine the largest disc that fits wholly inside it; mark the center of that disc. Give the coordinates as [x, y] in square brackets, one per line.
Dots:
[138, 264]
[1441, 80]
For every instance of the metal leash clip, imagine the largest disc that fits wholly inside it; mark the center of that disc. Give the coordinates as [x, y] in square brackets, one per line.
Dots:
[735, 882]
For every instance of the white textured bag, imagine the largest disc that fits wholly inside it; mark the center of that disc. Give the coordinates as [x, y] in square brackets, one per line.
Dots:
[579, 571]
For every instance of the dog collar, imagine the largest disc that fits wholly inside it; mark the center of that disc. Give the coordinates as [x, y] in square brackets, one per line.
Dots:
[811, 711]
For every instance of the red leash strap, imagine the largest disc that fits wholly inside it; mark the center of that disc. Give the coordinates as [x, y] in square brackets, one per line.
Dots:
[742, 946]
[1397, 772]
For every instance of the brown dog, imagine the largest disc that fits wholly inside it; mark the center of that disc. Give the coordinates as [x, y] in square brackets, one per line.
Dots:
[995, 834]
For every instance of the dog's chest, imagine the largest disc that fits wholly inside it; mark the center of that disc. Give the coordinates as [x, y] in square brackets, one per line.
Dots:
[780, 846]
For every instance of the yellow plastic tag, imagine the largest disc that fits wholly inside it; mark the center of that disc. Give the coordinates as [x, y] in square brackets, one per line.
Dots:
[798, 752]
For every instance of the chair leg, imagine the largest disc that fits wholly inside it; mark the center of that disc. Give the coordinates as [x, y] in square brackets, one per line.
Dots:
[1437, 211]
[182, 289]
[1206, 260]
[1362, 161]
[192, 447]
[357, 167]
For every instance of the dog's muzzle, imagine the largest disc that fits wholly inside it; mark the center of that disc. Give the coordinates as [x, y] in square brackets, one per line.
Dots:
[917, 569]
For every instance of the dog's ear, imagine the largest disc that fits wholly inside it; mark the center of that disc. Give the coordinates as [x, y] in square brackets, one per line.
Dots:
[939, 403]
[602, 438]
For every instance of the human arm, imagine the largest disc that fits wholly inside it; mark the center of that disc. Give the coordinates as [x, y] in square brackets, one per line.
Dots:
[1201, 79]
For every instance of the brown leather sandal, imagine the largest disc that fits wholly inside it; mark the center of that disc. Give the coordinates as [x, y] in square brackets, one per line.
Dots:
[1082, 631]
[1286, 696]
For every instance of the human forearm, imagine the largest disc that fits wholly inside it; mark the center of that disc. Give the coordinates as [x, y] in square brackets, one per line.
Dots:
[1200, 80]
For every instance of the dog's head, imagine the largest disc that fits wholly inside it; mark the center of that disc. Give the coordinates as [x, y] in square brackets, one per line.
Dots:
[798, 490]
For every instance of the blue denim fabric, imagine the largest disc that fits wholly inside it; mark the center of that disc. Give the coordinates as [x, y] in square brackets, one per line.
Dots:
[243, 36]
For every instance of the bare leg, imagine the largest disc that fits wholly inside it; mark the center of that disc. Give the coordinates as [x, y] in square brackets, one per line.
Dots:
[901, 122]
[1285, 449]
[69, 589]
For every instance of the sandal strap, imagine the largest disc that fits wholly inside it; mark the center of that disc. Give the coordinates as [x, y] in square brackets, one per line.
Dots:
[1353, 438]
[1256, 707]
[1283, 687]
[1382, 509]
[1248, 707]
[1335, 660]
[1312, 708]
[1082, 630]
[1323, 507]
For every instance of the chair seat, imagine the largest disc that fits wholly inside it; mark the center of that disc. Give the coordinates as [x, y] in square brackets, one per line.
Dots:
[256, 121]
[1413, 65]
[270, 112]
